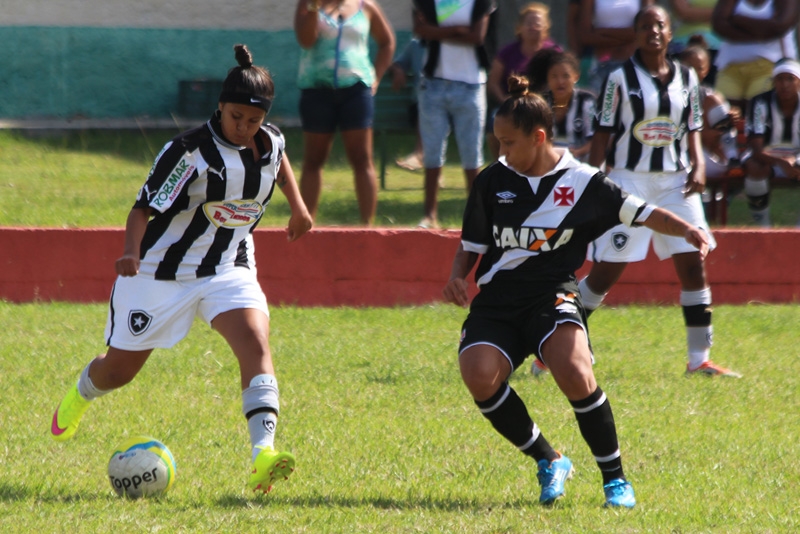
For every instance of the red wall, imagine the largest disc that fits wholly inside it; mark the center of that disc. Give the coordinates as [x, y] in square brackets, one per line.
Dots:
[361, 267]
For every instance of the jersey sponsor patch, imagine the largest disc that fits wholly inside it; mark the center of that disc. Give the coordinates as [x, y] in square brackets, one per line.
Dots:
[233, 213]
[781, 151]
[173, 184]
[565, 303]
[139, 321]
[657, 132]
[534, 239]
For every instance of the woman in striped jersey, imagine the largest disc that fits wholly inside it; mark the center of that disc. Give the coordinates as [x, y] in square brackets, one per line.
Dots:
[649, 116]
[189, 252]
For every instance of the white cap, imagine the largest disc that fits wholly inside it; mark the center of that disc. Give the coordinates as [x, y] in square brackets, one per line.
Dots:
[788, 66]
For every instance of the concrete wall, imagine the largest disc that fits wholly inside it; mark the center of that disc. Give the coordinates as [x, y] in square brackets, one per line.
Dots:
[361, 267]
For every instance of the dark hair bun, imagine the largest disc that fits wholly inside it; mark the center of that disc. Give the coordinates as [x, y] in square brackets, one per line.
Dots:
[518, 85]
[243, 56]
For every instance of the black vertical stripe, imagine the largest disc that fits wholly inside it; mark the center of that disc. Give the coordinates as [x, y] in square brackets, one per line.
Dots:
[216, 189]
[687, 110]
[787, 130]
[168, 266]
[637, 107]
[664, 110]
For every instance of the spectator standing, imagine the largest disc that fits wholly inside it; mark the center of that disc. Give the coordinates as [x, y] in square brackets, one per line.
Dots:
[607, 26]
[755, 35]
[532, 35]
[773, 138]
[527, 223]
[189, 252]
[452, 90]
[337, 81]
[650, 112]
[692, 21]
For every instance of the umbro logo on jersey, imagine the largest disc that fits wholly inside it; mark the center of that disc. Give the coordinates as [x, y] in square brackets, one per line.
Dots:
[506, 197]
[619, 240]
[138, 322]
[563, 196]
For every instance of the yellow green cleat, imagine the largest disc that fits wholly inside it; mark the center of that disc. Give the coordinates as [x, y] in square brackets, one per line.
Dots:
[68, 415]
[269, 467]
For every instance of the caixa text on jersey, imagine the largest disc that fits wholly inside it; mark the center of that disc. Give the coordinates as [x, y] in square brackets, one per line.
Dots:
[535, 239]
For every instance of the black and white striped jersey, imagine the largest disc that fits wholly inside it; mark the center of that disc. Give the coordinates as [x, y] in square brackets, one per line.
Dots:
[207, 195]
[648, 120]
[577, 128]
[537, 229]
[781, 134]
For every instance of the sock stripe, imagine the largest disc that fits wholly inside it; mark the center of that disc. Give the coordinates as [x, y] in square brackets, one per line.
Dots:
[535, 432]
[613, 456]
[503, 397]
[592, 406]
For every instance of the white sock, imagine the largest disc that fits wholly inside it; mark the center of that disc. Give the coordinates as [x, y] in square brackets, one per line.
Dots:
[698, 338]
[87, 388]
[590, 299]
[261, 406]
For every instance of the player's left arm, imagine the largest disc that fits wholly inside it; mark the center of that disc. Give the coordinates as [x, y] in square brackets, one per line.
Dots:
[300, 221]
[696, 178]
[666, 222]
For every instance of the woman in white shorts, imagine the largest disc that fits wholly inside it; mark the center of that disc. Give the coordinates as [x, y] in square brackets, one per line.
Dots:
[648, 135]
[189, 252]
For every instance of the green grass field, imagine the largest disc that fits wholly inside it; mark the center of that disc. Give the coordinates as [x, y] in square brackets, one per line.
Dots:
[91, 179]
[387, 438]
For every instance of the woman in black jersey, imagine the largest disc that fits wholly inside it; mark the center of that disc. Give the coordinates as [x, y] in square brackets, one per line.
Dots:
[529, 219]
[189, 252]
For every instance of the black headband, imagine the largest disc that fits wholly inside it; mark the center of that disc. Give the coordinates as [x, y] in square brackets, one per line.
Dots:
[247, 99]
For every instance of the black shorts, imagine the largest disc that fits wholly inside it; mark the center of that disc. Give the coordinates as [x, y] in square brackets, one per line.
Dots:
[517, 324]
[323, 110]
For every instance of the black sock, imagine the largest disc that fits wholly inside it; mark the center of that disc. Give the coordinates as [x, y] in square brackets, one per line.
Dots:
[509, 416]
[599, 431]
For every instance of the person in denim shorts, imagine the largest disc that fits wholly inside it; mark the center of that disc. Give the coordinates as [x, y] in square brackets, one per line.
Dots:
[452, 92]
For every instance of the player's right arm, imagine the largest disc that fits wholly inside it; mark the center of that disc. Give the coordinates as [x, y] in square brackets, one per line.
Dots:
[128, 264]
[456, 289]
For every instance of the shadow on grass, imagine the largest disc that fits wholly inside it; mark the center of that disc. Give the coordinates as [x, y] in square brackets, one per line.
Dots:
[385, 503]
[14, 492]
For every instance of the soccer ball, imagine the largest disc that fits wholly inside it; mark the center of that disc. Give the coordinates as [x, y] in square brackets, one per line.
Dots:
[141, 467]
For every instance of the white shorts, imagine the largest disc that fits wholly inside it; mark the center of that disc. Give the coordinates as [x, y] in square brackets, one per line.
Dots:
[145, 313]
[623, 244]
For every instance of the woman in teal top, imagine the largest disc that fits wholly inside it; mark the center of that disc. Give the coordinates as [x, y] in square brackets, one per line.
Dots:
[337, 80]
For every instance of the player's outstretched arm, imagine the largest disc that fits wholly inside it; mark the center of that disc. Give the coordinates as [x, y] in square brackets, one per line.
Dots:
[300, 222]
[456, 289]
[666, 222]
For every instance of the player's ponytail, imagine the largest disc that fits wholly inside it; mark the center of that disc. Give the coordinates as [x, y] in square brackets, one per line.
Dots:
[248, 84]
[527, 110]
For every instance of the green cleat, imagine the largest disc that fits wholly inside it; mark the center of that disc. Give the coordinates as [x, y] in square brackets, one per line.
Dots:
[68, 415]
[270, 466]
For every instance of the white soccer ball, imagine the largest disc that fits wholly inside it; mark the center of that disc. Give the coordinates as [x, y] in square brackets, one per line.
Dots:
[141, 467]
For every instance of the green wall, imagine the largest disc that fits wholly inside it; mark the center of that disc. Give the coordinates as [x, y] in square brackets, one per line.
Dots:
[75, 72]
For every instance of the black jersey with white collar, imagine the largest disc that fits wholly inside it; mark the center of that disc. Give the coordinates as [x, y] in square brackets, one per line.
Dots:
[207, 195]
[649, 120]
[537, 229]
